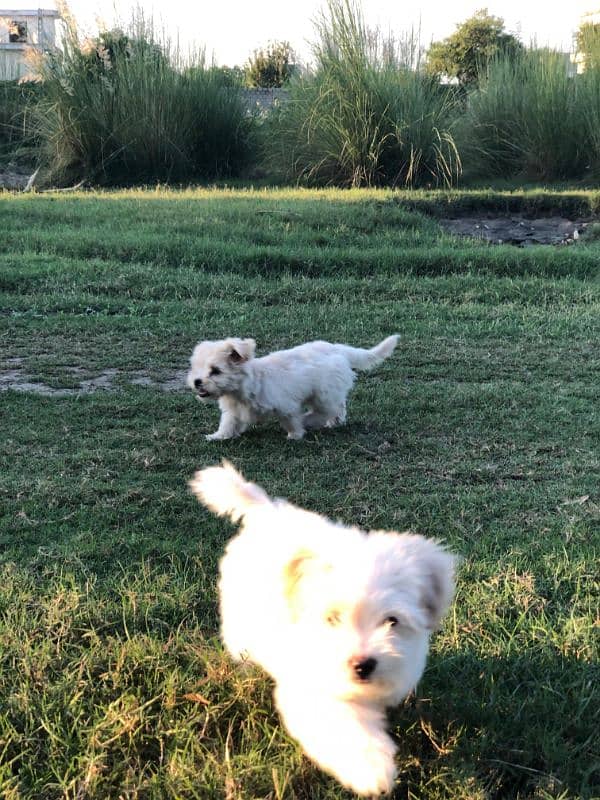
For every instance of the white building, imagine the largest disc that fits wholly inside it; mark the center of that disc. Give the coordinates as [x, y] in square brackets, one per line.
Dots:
[578, 59]
[22, 32]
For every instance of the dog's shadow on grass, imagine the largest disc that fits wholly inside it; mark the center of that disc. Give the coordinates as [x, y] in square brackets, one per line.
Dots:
[270, 437]
[519, 726]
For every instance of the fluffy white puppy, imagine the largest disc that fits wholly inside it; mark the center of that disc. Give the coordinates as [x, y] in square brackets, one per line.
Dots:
[305, 387]
[340, 618]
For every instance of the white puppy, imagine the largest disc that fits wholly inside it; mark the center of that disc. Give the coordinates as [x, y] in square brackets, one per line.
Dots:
[339, 618]
[305, 387]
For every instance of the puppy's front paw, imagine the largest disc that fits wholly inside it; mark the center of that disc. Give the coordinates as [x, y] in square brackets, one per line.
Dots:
[216, 437]
[373, 770]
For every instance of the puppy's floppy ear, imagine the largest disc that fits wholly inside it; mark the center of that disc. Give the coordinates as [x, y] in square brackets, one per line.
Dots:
[437, 587]
[241, 350]
[295, 572]
[421, 565]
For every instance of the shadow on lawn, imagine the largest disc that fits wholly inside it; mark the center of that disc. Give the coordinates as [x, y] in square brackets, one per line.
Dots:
[520, 726]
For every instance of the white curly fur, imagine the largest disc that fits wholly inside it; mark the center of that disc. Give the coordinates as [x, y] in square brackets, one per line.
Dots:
[305, 387]
[340, 618]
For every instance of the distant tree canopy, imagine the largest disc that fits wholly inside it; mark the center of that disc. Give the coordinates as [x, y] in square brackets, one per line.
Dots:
[270, 67]
[111, 48]
[229, 76]
[588, 44]
[470, 47]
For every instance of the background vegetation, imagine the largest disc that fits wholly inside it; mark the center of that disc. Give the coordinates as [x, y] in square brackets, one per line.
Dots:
[465, 53]
[17, 138]
[363, 118]
[370, 110]
[270, 67]
[528, 117]
[123, 108]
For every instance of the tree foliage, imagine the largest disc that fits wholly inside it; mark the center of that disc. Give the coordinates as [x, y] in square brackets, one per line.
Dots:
[588, 44]
[107, 52]
[470, 47]
[270, 67]
[231, 77]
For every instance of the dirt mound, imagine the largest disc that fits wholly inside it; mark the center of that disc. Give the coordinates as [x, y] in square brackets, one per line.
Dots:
[517, 230]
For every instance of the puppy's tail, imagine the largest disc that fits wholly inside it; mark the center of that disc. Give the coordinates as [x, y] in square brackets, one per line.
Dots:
[224, 491]
[366, 359]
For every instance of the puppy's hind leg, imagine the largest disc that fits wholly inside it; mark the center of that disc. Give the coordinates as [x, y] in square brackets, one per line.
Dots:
[314, 419]
[329, 404]
[339, 418]
[327, 418]
[294, 425]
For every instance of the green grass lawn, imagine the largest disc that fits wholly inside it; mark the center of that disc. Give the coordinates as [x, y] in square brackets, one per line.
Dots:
[483, 430]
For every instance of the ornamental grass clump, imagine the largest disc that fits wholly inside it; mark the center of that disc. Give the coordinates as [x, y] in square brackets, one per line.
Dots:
[363, 116]
[125, 108]
[17, 141]
[530, 117]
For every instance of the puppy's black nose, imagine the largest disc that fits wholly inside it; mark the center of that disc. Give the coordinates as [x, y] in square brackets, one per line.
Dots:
[363, 667]
[197, 383]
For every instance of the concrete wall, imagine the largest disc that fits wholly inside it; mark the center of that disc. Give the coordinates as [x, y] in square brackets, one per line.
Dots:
[263, 100]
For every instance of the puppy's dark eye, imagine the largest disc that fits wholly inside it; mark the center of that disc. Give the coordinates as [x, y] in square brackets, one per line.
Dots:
[214, 371]
[391, 621]
[333, 618]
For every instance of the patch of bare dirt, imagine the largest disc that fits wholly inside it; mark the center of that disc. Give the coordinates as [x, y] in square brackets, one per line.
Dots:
[14, 177]
[517, 230]
[14, 376]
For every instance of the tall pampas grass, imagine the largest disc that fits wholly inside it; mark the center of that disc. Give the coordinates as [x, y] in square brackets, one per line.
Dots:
[365, 114]
[129, 107]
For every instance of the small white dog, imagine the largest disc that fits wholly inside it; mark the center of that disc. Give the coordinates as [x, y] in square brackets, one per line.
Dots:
[339, 618]
[305, 387]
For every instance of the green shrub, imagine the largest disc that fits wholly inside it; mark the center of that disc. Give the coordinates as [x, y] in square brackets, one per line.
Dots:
[270, 67]
[588, 97]
[124, 108]
[230, 76]
[528, 118]
[362, 117]
[587, 41]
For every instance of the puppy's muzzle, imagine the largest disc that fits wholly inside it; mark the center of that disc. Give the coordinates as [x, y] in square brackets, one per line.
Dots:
[198, 386]
[363, 668]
